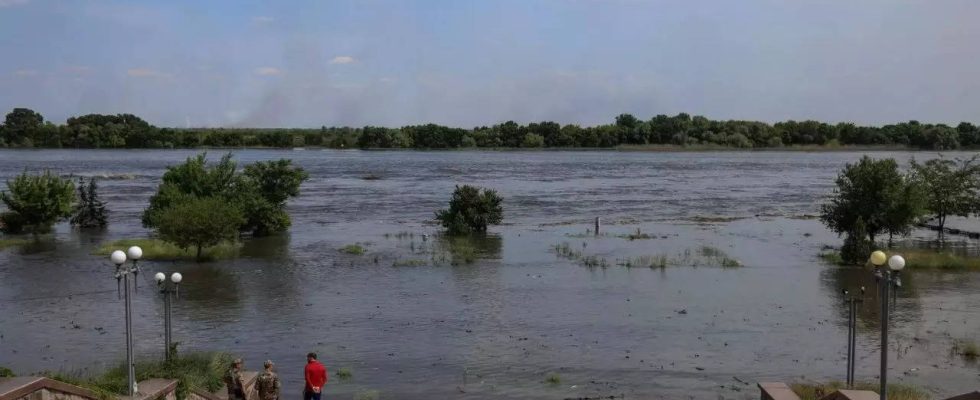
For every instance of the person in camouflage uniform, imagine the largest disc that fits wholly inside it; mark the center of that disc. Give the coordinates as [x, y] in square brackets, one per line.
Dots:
[268, 383]
[233, 380]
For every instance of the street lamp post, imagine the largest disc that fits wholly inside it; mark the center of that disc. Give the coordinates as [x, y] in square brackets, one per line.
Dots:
[123, 273]
[168, 290]
[887, 277]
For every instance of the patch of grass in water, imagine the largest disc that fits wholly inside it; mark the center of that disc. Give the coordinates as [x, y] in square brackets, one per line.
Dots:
[344, 373]
[12, 242]
[553, 379]
[353, 249]
[159, 250]
[832, 257]
[719, 257]
[966, 348]
[896, 391]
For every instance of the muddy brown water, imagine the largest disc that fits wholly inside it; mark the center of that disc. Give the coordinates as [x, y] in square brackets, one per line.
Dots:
[410, 325]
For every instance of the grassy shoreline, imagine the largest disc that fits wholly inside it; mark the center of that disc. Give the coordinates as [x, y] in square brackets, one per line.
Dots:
[193, 371]
[12, 242]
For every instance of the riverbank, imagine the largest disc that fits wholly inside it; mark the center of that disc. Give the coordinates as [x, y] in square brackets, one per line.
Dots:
[195, 371]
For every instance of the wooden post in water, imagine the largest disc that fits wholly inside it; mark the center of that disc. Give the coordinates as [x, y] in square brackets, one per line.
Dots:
[597, 226]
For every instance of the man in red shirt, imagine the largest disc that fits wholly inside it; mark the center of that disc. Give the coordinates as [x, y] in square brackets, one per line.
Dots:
[316, 377]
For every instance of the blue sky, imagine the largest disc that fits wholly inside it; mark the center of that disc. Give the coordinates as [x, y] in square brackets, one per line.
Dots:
[468, 63]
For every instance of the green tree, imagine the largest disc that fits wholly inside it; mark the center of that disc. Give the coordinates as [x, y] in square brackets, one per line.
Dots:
[950, 186]
[90, 211]
[532, 140]
[857, 247]
[21, 126]
[471, 210]
[276, 181]
[260, 192]
[200, 222]
[193, 178]
[35, 202]
[875, 192]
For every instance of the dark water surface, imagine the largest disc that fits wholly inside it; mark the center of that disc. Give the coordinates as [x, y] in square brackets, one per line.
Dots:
[496, 328]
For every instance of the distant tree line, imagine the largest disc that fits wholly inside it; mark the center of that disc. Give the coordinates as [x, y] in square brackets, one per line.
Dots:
[23, 127]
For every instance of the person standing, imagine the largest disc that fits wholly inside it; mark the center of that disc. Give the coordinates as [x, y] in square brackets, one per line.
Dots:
[233, 380]
[268, 383]
[316, 378]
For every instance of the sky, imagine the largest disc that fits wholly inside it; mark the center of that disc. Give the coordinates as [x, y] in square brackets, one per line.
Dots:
[244, 63]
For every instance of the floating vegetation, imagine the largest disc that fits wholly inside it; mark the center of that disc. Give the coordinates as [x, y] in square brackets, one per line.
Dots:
[344, 373]
[702, 256]
[371, 177]
[553, 379]
[896, 391]
[353, 249]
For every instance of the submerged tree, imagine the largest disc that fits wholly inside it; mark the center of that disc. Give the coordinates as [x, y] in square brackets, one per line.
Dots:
[199, 222]
[951, 186]
[876, 193]
[36, 202]
[856, 246]
[260, 192]
[471, 210]
[90, 211]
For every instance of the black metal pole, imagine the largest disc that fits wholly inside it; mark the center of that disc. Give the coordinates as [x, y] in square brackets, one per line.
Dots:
[166, 323]
[885, 283]
[852, 332]
[130, 372]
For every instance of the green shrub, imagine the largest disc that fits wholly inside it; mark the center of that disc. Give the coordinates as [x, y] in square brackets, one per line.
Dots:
[553, 379]
[38, 201]
[6, 373]
[471, 211]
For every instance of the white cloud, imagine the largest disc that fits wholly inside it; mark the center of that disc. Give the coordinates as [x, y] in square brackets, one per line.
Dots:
[11, 3]
[342, 60]
[25, 72]
[261, 19]
[268, 71]
[146, 73]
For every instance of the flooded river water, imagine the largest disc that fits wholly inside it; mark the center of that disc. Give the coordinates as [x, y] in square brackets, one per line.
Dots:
[411, 325]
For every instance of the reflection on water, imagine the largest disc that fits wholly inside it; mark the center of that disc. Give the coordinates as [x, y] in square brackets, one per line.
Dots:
[903, 300]
[422, 316]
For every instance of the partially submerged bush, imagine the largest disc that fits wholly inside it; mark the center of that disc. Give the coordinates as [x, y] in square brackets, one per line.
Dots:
[35, 202]
[471, 210]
